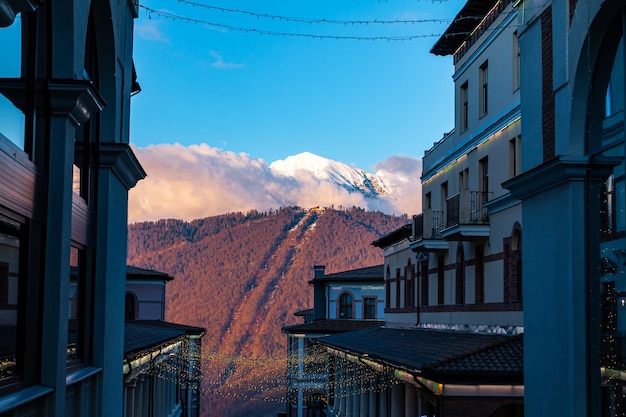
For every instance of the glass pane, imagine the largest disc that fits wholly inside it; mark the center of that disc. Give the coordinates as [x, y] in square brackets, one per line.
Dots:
[74, 299]
[9, 287]
[11, 119]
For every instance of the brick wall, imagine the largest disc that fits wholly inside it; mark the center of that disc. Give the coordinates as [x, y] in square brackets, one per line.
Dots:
[547, 91]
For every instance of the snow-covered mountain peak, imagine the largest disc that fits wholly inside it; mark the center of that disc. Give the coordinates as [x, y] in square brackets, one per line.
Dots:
[351, 178]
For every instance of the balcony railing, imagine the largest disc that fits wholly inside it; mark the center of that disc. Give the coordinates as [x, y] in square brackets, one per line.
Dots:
[467, 207]
[428, 225]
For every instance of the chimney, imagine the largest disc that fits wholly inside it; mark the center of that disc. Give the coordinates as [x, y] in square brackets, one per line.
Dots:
[319, 270]
[319, 294]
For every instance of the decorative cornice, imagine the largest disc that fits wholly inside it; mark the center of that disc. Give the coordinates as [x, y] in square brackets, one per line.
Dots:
[121, 159]
[558, 171]
[75, 99]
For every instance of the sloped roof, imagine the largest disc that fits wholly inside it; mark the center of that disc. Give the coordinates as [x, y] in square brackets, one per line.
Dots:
[464, 23]
[144, 338]
[190, 330]
[134, 272]
[397, 235]
[331, 326]
[370, 273]
[442, 355]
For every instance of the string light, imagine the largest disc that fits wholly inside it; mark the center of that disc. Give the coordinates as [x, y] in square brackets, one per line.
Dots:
[319, 21]
[273, 379]
[171, 16]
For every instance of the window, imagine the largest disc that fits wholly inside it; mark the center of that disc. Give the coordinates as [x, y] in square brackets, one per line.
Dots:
[444, 196]
[388, 288]
[398, 288]
[408, 285]
[369, 307]
[463, 110]
[460, 275]
[484, 91]
[130, 307]
[483, 166]
[479, 276]
[516, 265]
[464, 179]
[11, 285]
[516, 62]
[345, 306]
[425, 277]
[440, 279]
[515, 156]
[427, 201]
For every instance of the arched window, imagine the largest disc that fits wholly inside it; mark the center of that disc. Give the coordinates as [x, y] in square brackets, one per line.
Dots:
[460, 275]
[409, 285]
[515, 265]
[345, 306]
[130, 307]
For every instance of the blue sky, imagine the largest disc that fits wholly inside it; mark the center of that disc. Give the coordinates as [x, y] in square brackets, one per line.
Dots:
[354, 101]
[218, 106]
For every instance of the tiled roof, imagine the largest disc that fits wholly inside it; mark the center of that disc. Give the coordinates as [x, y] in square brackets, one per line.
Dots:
[445, 356]
[370, 273]
[190, 330]
[331, 326]
[133, 272]
[144, 338]
[396, 236]
[464, 23]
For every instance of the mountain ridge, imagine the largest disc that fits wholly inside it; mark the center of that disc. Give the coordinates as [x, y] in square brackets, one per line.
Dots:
[242, 276]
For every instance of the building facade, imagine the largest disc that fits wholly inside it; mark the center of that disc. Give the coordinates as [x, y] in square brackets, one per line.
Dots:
[572, 193]
[65, 171]
[162, 360]
[343, 302]
[453, 278]
[468, 237]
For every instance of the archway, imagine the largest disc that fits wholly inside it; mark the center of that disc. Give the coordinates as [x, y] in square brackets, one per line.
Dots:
[605, 229]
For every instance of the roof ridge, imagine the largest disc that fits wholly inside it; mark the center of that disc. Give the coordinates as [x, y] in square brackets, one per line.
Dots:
[507, 339]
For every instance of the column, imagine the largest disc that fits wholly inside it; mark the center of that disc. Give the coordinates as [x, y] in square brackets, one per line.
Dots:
[397, 400]
[383, 402]
[410, 400]
[129, 391]
[373, 395]
[364, 399]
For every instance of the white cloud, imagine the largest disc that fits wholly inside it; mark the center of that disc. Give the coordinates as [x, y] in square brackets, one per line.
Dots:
[150, 30]
[200, 181]
[219, 62]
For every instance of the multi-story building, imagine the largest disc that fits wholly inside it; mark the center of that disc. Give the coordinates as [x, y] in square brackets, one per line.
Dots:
[343, 301]
[573, 199]
[468, 236]
[453, 278]
[65, 170]
[162, 360]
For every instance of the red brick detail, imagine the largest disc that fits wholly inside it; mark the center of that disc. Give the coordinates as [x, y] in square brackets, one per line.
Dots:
[547, 91]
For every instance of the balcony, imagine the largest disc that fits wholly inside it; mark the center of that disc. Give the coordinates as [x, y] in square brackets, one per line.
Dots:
[467, 218]
[426, 235]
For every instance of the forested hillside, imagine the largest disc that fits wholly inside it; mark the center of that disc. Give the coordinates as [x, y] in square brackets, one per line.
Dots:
[242, 276]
